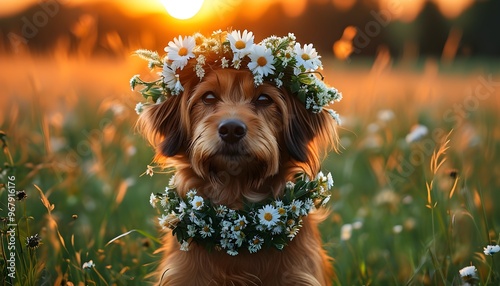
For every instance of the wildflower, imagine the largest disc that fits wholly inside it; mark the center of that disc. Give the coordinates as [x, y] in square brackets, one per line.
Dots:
[329, 181]
[255, 244]
[21, 195]
[197, 203]
[268, 216]
[206, 231]
[385, 115]
[491, 249]
[184, 246]
[397, 228]
[307, 57]
[149, 171]
[153, 200]
[139, 108]
[468, 274]
[191, 230]
[295, 207]
[170, 220]
[224, 63]
[261, 61]
[180, 51]
[181, 207]
[346, 232]
[164, 201]
[232, 252]
[191, 194]
[417, 133]
[33, 242]
[326, 200]
[241, 44]
[88, 265]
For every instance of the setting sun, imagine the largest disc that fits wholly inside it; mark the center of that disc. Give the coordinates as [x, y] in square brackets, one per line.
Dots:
[182, 9]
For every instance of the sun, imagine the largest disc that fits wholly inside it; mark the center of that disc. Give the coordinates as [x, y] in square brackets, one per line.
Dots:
[184, 9]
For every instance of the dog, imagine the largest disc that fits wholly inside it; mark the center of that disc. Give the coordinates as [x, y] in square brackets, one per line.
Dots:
[235, 143]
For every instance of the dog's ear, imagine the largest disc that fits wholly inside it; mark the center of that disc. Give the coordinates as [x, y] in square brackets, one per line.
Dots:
[307, 133]
[163, 127]
[297, 132]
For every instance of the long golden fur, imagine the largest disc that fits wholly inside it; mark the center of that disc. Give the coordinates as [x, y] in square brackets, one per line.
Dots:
[280, 139]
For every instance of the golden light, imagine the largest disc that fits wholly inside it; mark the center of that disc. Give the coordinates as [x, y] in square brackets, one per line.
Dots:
[184, 9]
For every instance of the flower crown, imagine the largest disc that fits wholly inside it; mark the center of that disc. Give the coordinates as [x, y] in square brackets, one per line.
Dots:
[269, 224]
[278, 60]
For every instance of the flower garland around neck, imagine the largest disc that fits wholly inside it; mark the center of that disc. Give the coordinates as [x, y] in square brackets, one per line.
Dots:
[269, 224]
[277, 60]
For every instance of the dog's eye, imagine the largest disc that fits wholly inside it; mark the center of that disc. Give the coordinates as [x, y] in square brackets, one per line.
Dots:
[263, 100]
[209, 98]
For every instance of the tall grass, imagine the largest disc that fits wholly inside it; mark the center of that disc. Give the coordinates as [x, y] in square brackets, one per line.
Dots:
[404, 212]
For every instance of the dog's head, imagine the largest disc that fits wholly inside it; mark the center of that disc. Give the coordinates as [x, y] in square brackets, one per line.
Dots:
[237, 130]
[228, 130]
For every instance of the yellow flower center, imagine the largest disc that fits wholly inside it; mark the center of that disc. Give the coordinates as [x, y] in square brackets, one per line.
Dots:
[199, 204]
[206, 228]
[261, 61]
[183, 51]
[268, 216]
[281, 211]
[256, 241]
[239, 44]
[305, 57]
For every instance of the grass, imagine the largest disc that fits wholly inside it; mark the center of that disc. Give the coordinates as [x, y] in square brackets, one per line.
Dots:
[401, 214]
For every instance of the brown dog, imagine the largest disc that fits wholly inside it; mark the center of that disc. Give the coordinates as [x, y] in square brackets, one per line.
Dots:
[236, 142]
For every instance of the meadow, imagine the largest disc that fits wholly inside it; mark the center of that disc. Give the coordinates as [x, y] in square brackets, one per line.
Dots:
[416, 176]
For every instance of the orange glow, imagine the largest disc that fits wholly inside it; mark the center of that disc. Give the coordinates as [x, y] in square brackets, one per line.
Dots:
[453, 8]
[182, 9]
[294, 8]
[405, 11]
[14, 6]
[344, 5]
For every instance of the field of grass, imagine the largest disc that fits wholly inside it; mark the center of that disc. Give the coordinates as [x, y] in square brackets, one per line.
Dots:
[406, 209]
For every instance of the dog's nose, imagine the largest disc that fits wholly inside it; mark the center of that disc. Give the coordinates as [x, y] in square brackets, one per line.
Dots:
[232, 130]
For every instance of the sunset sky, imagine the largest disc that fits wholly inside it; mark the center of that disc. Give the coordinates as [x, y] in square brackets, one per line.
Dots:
[406, 10]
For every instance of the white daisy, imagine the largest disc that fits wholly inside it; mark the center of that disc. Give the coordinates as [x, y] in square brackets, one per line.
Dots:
[232, 252]
[241, 44]
[169, 76]
[88, 265]
[163, 220]
[182, 206]
[261, 61]
[224, 63]
[206, 231]
[153, 200]
[491, 249]
[307, 57]
[255, 244]
[197, 203]
[191, 230]
[184, 246]
[417, 132]
[164, 201]
[139, 107]
[329, 181]
[268, 216]
[180, 51]
[191, 193]
[469, 271]
[295, 207]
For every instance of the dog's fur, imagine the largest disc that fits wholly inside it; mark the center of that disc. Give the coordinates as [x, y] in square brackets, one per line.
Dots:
[281, 140]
